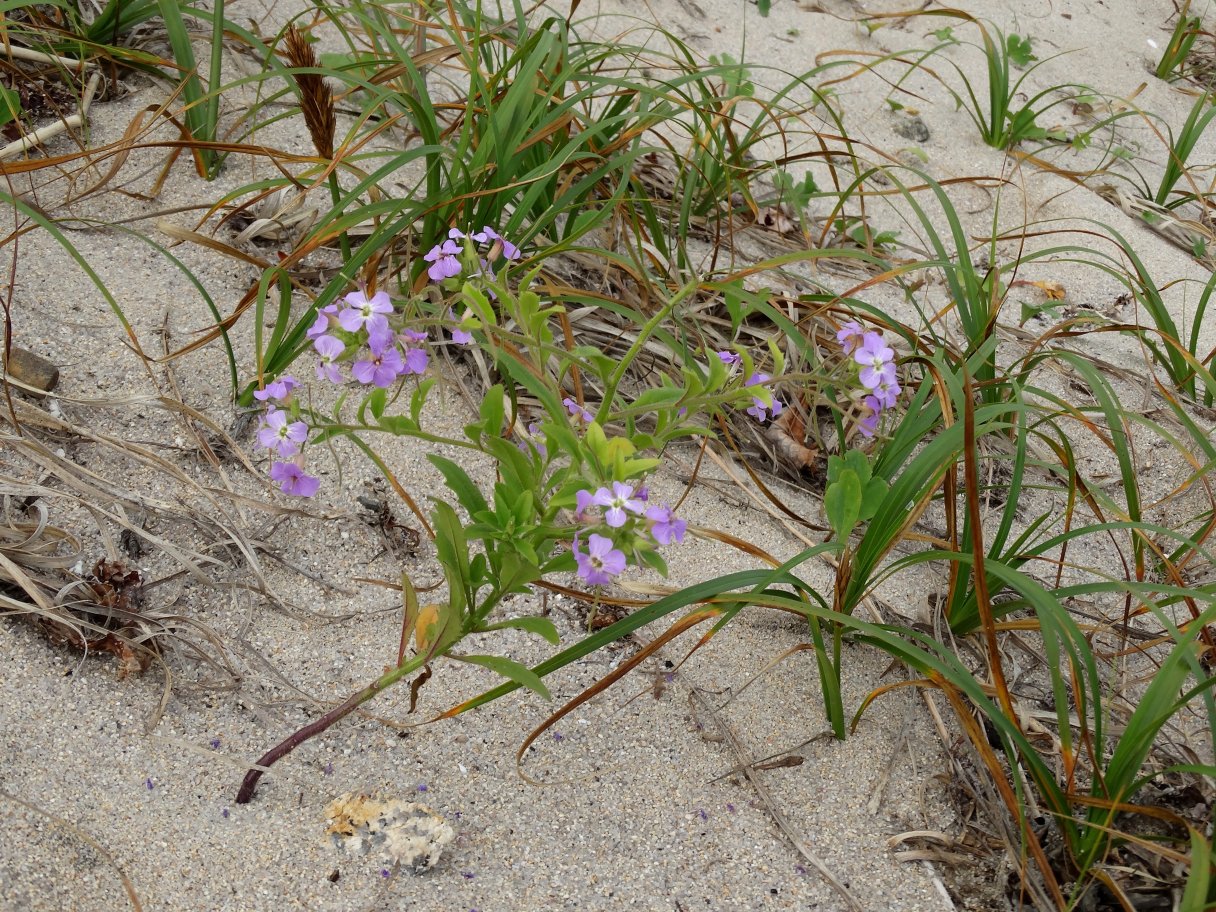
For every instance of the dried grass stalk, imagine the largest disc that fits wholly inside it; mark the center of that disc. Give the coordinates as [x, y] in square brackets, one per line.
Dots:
[316, 97]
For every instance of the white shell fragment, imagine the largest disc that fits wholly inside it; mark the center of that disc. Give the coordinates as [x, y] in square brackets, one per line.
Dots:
[399, 833]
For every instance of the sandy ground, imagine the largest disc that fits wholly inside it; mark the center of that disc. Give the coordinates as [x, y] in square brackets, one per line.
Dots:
[633, 812]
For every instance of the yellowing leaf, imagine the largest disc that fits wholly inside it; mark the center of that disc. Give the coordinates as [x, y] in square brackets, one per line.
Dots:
[1054, 290]
[426, 628]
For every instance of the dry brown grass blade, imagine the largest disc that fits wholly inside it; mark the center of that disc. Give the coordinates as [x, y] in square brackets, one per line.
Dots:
[979, 742]
[679, 627]
[973, 495]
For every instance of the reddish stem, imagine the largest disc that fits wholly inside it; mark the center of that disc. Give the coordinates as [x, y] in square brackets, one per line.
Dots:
[250, 783]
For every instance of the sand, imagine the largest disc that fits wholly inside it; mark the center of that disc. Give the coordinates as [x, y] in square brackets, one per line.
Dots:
[637, 806]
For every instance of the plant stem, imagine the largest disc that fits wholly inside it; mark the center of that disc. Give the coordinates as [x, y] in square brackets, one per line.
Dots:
[279, 751]
[335, 193]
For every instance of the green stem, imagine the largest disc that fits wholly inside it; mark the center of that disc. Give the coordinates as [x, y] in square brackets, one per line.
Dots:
[335, 193]
[651, 325]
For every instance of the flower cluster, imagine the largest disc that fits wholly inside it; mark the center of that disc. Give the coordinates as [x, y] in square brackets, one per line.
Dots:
[448, 260]
[364, 331]
[284, 435]
[759, 409]
[630, 523]
[875, 361]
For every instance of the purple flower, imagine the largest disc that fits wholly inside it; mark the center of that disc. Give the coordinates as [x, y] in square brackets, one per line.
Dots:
[558, 736]
[618, 500]
[850, 336]
[583, 502]
[666, 527]
[886, 391]
[601, 562]
[293, 480]
[382, 368]
[533, 440]
[460, 336]
[884, 376]
[279, 390]
[363, 312]
[444, 264]
[149, 783]
[456, 234]
[873, 356]
[759, 410]
[330, 350]
[224, 813]
[326, 317]
[467, 875]
[280, 435]
[422, 786]
[488, 235]
[416, 358]
[867, 425]
[215, 743]
[577, 411]
[730, 358]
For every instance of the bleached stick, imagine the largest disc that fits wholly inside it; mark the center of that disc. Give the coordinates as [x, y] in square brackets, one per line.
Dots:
[41, 135]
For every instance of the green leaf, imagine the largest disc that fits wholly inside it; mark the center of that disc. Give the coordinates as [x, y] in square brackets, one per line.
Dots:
[376, 402]
[764, 6]
[872, 497]
[511, 670]
[10, 105]
[541, 626]
[857, 461]
[400, 425]
[1018, 49]
[467, 493]
[492, 415]
[418, 400]
[842, 503]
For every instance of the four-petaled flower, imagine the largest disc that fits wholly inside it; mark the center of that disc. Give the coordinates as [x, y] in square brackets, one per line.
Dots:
[443, 260]
[850, 336]
[326, 316]
[460, 335]
[416, 358]
[874, 355]
[280, 435]
[868, 423]
[601, 561]
[759, 410]
[666, 527]
[382, 368]
[330, 350]
[577, 411]
[277, 390]
[618, 500]
[886, 391]
[293, 480]
[364, 312]
[488, 235]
